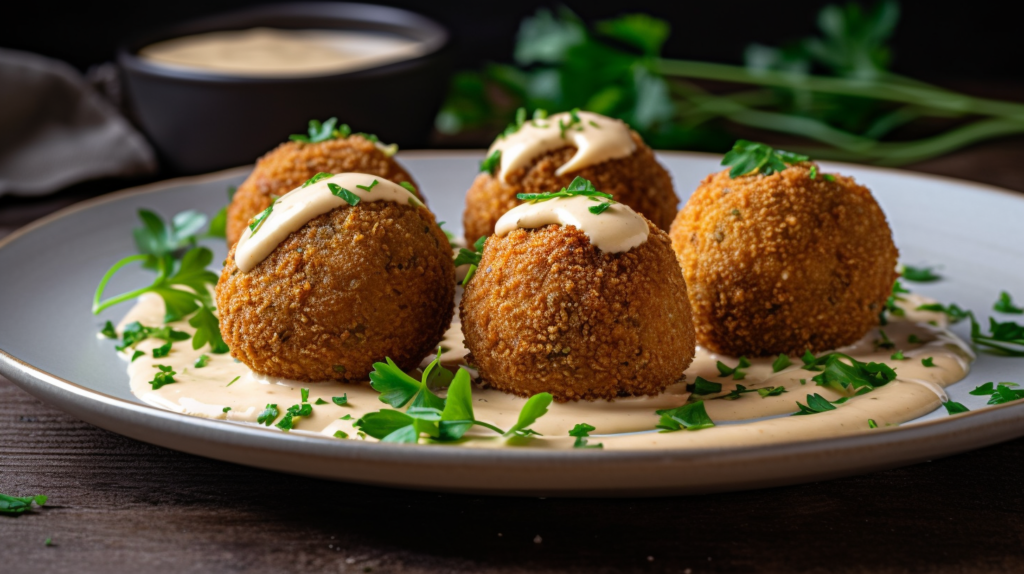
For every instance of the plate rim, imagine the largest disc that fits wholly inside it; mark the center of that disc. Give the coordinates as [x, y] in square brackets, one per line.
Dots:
[40, 383]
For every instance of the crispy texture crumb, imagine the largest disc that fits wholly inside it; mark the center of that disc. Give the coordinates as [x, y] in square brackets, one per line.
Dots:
[549, 312]
[290, 164]
[783, 263]
[351, 287]
[638, 180]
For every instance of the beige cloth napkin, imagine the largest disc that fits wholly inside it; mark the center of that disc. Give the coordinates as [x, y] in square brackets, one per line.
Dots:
[56, 130]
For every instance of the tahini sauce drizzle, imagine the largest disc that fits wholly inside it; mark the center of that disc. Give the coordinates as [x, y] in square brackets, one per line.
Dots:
[616, 230]
[297, 207]
[269, 52]
[597, 138]
[205, 392]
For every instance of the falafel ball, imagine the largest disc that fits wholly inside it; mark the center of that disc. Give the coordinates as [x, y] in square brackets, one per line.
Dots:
[637, 180]
[351, 287]
[783, 263]
[548, 312]
[290, 164]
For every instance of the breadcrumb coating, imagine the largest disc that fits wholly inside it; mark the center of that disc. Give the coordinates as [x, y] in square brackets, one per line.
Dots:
[638, 180]
[549, 312]
[290, 164]
[351, 287]
[783, 263]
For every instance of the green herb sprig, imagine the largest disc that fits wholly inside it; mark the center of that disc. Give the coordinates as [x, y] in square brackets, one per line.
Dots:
[578, 187]
[322, 131]
[692, 416]
[999, 393]
[747, 158]
[919, 274]
[1005, 305]
[471, 257]
[14, 505]
[582, 433]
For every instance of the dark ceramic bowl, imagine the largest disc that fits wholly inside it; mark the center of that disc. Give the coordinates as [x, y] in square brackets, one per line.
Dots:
[204, 121]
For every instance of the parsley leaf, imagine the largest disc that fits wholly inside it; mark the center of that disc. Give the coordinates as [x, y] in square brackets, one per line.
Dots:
[20, 504]
[162, 351]
[207, 331]
[952, 311]
[690, 417]
[340, 434]
[108, 331]
[340, 401]
[815, 404]
[471, 257]
[490, 164]
[577, 187]
[1006, 338]
[257, 222]
[268, 416]
[321, 132]
[1000, 393]
[955, 408]
[897, 356]
[287, 422]
[919, 274]
[736, 372]
[856, 376]
[349, 197]
[137, 354]
[771, 391]
[747, 157]
[397, 388]
[318, 177]
[1005, 305]
[202, 361]
[582, 433]
[320, 401]
[702, 386]
[535, 407]
[164, 376]
[928, 362]
[781, 362]
[368, 188]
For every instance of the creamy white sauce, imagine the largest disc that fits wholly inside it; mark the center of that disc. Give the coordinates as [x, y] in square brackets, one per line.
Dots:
[299, 206]
[269, 52]
[615, 230]
[597, 138]
[205, 392]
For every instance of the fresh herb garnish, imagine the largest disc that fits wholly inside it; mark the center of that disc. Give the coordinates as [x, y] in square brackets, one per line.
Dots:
[164, 376]
[582, 433]
[999, 393]
[919, 274]
[287, 422]
[955, 408]
[471, 257]
[702, 386]
[747, 157]
[137, 354]
[320, 176]
[928, 362]
[600, 208]
[108, 331]
[815, 404]
[737, 392]
[736, 372]
[952, 311]
[1005, 305]
[345, 418]
[913, 339]
[408, 187]
[853, 376]
[207, 331]
[320, 401]
[340, 434]
[348, 196]
[233, 381]
[771, 391]
[321, 132]
[689, 417]
[490, 163]
[20, 504]
[268, 416]
[162, 351]
[781, 362]
[368, 188]
[1006, 338]
[340, 401]
[890, 306]
[257, 222]
[225, 409]
[577, 187]
[304, 393]
[897, 356]
[884, 342]
[573, 123]
[202, 361]
[872, 424]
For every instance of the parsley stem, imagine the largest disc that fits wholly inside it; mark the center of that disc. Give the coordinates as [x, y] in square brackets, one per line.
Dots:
[97, 306]
[489, 426]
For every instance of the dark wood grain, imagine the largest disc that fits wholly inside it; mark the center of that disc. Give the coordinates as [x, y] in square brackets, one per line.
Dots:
[118, 505]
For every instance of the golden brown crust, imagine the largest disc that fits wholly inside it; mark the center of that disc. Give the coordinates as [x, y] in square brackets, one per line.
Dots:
[638, 180]
[290, 164]
[547, 311]
[783, 263]
[351, 287]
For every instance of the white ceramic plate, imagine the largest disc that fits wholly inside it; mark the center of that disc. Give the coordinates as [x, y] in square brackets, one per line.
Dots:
[48, 346]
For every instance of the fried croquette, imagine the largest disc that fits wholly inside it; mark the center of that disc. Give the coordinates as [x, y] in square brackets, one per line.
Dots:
[292, 163]
[351, 287]
[548, 312]
[783, 263]
[637, 180]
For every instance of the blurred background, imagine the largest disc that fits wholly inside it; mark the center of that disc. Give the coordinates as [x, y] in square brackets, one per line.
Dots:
[891, 83]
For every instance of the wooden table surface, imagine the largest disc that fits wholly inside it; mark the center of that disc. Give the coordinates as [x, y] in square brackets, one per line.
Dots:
[118, 505]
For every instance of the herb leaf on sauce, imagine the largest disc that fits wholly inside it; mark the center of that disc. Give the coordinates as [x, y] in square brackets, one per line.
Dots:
[747, 157]
[736, 372]
[815, 404]
[164, 376]
[999, 393]
[582, 433]
[1005, 305]
[689, 417]
[471, 257]
[702, 386]
[577, 187]
[268, 416]
[919, 274]
[955, 408]
[1004, 338]
[318, 177]
[952, 311]
[207, 331]
[108, 331]
[781, 362]
[338, 191]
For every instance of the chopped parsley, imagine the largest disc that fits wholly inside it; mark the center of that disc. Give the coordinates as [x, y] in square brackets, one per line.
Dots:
[340, 434]
[771, 391]
[287, 422]
[162, 351]
[702, 386]
[1005, 305]
[853, 376]
[368, 188]
[108, 331]
[137, 354]
[202, 361]
[20, 504]
[689, 417]
[164, 376]
[952, 311]
[1006, 338]
[304, 393]
[913, 339]
[747, 158]
[340, 401]
[928, 362]
[320, 176]
[136, 332]
[582, 433]
[872, 424]
[207, 331]
[345, 418]
[257, 222]
[815, 404]
[320, 401]
[885, 342]
[999, 393]
[471, 257]
[737, 392]
[781, 362]
[890, 305]
[349, 197]
[577, 187]
[408, 187]
[225, 409]
[322, 131]
[268, 416]
[573, 123]
[897, 356]
[233, 381]
[919, 274]
[955, 408]
[736, 372]
[491, 162]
